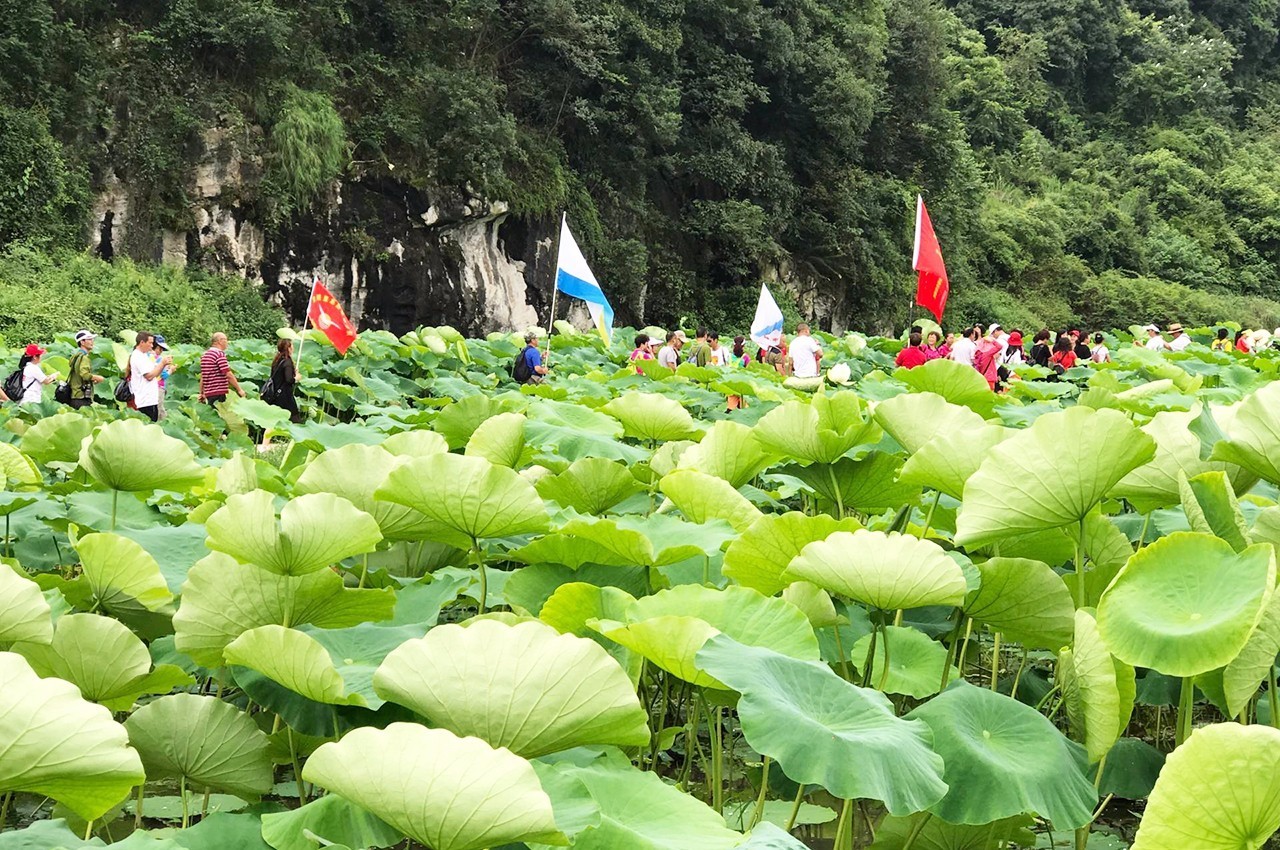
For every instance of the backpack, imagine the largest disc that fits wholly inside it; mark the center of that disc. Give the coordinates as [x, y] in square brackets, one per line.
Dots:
[123, 391]
[268, 391]
[521, 371]
[62, 393]
[13, 386]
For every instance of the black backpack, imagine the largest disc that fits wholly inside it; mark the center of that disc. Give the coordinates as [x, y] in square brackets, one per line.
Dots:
[13, 386]
[521, 371]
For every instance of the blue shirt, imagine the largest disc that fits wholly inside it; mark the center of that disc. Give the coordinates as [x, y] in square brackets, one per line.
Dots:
[533, 357]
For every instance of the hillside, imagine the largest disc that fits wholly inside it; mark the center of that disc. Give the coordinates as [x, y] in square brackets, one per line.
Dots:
[1086, 161]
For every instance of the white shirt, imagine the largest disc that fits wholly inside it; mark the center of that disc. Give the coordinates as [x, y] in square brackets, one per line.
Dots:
[1011, 356]
[1156, 343]
[804, 356]
[1179, 342]
[963, 351]
[719, 356]
[1100, 354]
[33, 378]
[146, 393]
[667, 357]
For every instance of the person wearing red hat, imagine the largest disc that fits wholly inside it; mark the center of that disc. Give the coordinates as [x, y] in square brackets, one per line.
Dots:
[33, 377]
[1013, 353]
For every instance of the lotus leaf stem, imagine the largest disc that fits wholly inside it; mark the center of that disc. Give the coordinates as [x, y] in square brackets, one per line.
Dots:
[758, 812]
[1080, 566]
[4, 808]
[795, 809]
[717, 759]
[297, 766]
[916, 829]
[835, 491]
[870, 659]
[964, 647]
[844, 835]
[995, 663]
[182, 791]
[884, 674]
[844, 660]
[951, 649]
[1272, 698]
[364, 570]
[1018, 676]
[137, 807]
[88, 829]
[928, 519]
[115, 500]
[1186, 704]
[478, 559]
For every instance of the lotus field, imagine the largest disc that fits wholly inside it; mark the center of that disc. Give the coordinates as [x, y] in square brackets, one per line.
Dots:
[892, 610]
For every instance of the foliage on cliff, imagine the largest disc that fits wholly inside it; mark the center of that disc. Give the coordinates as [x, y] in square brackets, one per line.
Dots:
[1081, 157]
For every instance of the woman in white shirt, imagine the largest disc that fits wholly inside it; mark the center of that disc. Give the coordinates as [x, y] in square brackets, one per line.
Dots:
[33, 377]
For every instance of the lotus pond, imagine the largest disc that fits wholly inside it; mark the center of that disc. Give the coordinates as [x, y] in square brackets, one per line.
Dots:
[891, 611]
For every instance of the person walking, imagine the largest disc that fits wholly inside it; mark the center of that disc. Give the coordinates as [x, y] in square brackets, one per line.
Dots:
[160, 349]
[529, 368]
[669, 354]
[1100, 353]
[80, 375]
[805, 353]
[33, 377]
[913, 354]
[144, 376]
[216, 377]
[284, 380]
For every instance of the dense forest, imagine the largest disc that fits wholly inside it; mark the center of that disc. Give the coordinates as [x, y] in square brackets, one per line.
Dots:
[1096, 161]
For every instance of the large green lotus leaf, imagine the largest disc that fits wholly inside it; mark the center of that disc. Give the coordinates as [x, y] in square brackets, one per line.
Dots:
[97, 654]
[1049, 475]
[458, 421]
[1025, 601]
[956, 382]
[315, 531]
[760, 554]
[670, 627]
[332, 819]
[915, 662]
[1097, 689]
[125, 579]
[819, 431]
[443, 791]
[292, 659]
[468, 495]
[54, 743]
[222, 599]
[131, 455]
[1211, 507]
[57, 438]
[1241, 678]
[24, 612]
[893, 833]
[238, 474]
[1266, 527]
[590, 486]
[815, 725]
[1254, 442]
[638, 810]
[1155, 483]
[573, 605]
[355, 473]
[949, 460]
[415, 444]
[868, 484]
[702, 498]
[652, 541]
[1186, 604]
[729, 451]
[886, 571]
[916, 419]
[17, 468]
[649, 416]
[212, 743]
[499, 440]
[1220, 790]
[1011, 751]
[541, 691]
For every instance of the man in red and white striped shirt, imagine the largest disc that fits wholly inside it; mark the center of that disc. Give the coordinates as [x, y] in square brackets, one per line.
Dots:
[216, 376]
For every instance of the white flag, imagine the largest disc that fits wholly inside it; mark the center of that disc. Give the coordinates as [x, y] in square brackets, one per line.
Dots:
[766, 328]
[574, 278]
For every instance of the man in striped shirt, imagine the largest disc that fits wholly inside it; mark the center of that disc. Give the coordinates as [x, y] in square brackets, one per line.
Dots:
[216, 376]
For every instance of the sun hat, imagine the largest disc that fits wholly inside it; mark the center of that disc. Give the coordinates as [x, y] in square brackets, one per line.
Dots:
[1151, 328]
[1175, 328]
[1015, 338]
[85, 333]
[160, 343]
[34, 350]
[680, 336]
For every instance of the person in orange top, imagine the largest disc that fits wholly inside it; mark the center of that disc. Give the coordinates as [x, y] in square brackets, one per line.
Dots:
[913, 355]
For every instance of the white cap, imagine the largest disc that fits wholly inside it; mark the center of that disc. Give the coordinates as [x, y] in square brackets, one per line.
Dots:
[83, 334]
[993, 327]
[1151, 328]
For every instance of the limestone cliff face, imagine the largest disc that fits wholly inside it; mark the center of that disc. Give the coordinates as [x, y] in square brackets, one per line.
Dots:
[398, 257]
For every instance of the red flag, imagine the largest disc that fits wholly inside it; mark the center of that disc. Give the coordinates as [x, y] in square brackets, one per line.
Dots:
[932, 286]
[326, 314]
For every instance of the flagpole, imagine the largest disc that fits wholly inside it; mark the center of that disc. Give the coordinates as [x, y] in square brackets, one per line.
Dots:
[306, 320]
[555, 284]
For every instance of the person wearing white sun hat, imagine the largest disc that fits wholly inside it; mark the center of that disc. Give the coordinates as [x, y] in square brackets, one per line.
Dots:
[1154, 342]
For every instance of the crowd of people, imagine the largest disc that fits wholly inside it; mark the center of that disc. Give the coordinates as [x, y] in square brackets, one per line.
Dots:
[143, 385]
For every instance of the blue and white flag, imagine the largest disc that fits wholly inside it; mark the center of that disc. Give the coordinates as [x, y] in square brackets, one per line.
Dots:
[766, 327]
[574, 278]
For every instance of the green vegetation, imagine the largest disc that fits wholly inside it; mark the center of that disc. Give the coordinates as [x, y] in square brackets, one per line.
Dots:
[453, 613]
[1081, 158]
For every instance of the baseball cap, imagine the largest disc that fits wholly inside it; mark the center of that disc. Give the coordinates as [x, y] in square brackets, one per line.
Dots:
[160, 343]
[85, 333]
[34, 350]
[1151, 328]
[994, 326]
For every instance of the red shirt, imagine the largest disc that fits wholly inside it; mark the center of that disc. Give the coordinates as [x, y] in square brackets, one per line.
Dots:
[1243, 345]
[1065, 359]
[911, 357]
[214, 369]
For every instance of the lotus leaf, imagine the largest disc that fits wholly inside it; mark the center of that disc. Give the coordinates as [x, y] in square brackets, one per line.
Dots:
[315, 531]
[1220, 790]
[915, 662]
[17, 468]
[355, 473]
[1025, 601]
[1155, 483]
[573, 605]
[886, 571]
[651, 541]
[934, 833]
[760, 554]
[649, 416]
[541, 691]
[702, 498]
[820, 431]
[238, 474]
[223, 599]
[949, 460]
[469, 495]
[1211, 507]
[415, 444]
[1186, 604]
[24, 612]
[458, 421]
[98, 655]
[57, 438]
[292, 659]
[1049, 475]
[916, 419]
[443, 791]
[1252, 666]
[134, 456]
[499, 440]
[814, 724]
[54, 743]
[1012, 752]
[670, 627]
[332, 819]
[868, 484]
[1254, 442]
[210, 743]
[590, 486]
[1097, 689]
[729, 451]
[125, 579]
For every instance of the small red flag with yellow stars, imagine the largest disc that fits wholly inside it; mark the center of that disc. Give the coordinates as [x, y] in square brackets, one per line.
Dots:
[327, 316]
[932, 286]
